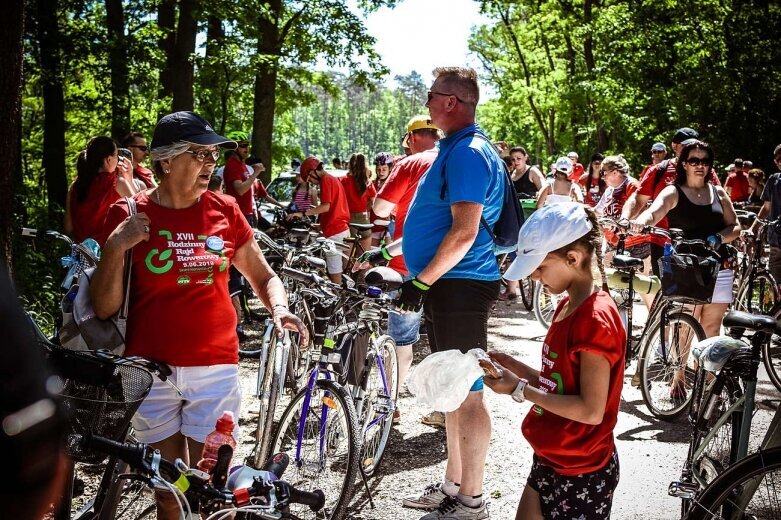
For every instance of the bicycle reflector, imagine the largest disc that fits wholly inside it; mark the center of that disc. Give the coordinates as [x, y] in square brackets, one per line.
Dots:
[329, 402]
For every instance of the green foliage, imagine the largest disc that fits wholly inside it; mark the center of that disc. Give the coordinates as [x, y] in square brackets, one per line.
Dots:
[614, 76]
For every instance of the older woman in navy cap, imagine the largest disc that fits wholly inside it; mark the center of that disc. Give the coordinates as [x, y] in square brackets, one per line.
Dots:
[183, 240]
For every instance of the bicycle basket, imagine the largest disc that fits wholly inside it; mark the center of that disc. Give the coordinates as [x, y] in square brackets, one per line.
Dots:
[688, 278]
[99, 395]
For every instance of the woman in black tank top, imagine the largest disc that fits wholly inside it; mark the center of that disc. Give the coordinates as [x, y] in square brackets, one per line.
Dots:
[527, 179]
[702, 211]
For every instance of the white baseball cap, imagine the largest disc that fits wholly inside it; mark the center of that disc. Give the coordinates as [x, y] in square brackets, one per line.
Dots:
[563, 164]
[547, 229]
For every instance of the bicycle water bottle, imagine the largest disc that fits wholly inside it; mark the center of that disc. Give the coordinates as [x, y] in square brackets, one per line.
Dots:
[668, 249]
[222, 434]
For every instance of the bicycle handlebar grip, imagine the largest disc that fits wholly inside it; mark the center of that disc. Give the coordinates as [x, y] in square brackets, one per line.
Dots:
[314, 499]
[308, 278]
[277, 464]
[133, 454]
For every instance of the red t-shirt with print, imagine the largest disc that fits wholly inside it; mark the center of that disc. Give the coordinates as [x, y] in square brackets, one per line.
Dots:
[144, 175]
[336, 220]
[738, 181]
[180, 310]
[236, 170]
[87, 216]
[577, 172]
[571, 447]
[400, 189]
[357, 202]
[649, 189]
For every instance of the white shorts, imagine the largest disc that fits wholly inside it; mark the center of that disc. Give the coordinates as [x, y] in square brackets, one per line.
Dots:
[333, 261]
[207, 391]
[722, 293]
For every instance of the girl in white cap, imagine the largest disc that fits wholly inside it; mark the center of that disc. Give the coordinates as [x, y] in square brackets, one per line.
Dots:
[576, 394]
[560, 188]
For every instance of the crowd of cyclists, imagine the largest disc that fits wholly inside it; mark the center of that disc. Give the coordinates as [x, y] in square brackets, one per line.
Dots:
[192, 247]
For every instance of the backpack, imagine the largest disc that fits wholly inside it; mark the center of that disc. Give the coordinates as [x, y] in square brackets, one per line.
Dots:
[505, 231]
[661, 168]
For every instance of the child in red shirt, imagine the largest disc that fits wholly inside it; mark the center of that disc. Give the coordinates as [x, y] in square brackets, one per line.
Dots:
[577, 392]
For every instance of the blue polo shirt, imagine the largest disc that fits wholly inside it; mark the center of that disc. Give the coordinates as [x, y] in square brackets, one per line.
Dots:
[475, 173]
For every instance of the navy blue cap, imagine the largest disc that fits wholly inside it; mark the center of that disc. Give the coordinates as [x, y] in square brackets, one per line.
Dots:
[684, 134]
[187, 127]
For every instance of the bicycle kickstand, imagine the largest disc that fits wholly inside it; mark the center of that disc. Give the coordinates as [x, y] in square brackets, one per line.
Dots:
[368, 489]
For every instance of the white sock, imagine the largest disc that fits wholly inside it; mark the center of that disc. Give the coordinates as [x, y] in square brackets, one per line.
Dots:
[471, 501]
[450, 488]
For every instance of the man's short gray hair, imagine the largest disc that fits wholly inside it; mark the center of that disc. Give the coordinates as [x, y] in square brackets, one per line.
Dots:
[462, 81]
[167, 152]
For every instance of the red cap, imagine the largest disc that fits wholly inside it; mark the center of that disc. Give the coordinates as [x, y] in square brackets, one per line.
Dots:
[225, 423]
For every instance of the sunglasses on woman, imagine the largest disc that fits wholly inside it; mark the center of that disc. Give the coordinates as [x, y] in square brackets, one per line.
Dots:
[696, 161]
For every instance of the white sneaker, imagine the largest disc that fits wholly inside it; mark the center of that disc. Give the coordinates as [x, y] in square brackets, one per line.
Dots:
[431, 498]
[452, 509]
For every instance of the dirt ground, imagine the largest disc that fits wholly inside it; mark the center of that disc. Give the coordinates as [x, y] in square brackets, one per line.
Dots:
[651, 452]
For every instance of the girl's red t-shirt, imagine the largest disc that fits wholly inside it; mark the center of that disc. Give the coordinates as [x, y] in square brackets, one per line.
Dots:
[180, 311]
[88, 215]
[356, 202]
[570, 447]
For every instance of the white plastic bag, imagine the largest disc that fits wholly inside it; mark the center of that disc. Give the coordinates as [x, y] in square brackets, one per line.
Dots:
[442, 380]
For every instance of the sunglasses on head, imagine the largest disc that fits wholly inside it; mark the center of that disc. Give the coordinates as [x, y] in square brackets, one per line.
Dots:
[696, 161]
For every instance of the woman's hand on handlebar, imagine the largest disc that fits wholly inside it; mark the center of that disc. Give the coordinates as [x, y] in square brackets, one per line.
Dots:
[284, 319]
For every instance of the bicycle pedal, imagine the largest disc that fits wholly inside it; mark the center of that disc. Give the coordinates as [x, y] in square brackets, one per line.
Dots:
[684, 490]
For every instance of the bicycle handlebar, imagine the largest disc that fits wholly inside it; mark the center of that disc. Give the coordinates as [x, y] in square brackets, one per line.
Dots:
[148, 462]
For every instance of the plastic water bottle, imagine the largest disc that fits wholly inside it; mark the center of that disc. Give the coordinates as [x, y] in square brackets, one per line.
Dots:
[668, 249]
[222, 434]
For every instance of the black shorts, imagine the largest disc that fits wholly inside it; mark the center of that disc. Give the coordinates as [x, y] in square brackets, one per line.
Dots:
[235, 281]
[587, 497]
[456, 313]
[657, 252]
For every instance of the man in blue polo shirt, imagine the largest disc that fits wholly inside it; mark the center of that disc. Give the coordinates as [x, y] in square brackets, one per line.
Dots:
[450, 253]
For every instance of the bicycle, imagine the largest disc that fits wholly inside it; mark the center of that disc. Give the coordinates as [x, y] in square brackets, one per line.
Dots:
[747, 489]
[670, 330]
[756, 290]
[327, 438]
[254, 494]
[722, 409]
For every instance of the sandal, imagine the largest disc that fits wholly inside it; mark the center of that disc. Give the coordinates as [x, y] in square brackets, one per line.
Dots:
[507, 296]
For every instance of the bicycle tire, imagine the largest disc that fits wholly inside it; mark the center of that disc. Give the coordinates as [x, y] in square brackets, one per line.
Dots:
[544, 304]
[333, 470]
[771, 353]
[657, 368]
[764, 295]
[376, 406]
[268, 391]
[764, 466]
[527, 293]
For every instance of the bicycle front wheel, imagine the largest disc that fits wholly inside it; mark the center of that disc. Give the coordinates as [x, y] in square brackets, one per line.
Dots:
[666, 366]
[379, 403]
[748, 489]
[760, 297]
[320, 434]
[544, 304]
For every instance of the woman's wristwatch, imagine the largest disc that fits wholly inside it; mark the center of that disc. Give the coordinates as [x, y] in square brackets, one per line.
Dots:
[517, 394]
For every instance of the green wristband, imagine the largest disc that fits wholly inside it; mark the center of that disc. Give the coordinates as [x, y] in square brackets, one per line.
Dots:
[387, 256]
[420, 285]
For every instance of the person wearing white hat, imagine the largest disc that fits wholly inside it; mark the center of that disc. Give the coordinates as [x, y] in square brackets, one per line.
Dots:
[577, 392]
[560, 188]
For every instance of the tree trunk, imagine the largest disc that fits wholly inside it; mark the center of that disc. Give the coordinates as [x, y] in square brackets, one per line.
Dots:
[53, 159]
[213, 77]
[269, 48]
[11, 30]
[182, 81]
[117, 58]
[166, 20]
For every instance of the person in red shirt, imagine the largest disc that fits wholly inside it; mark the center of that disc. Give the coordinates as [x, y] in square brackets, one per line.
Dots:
[737, 185]
[592, 181]
[577, 168]
[360, 193]
[577, 392]
[397, 194]
[239, 182]
[183, 239]
[102, 178]
[136, 143]
[333, 211]
[658, 154]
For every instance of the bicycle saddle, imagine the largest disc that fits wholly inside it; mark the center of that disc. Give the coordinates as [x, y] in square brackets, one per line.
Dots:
[713, 353]
[361, 227]
[383, 277]
[626, 262]
[745, 320]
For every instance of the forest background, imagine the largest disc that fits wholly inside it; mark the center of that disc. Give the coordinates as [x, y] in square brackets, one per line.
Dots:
[587, 75]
